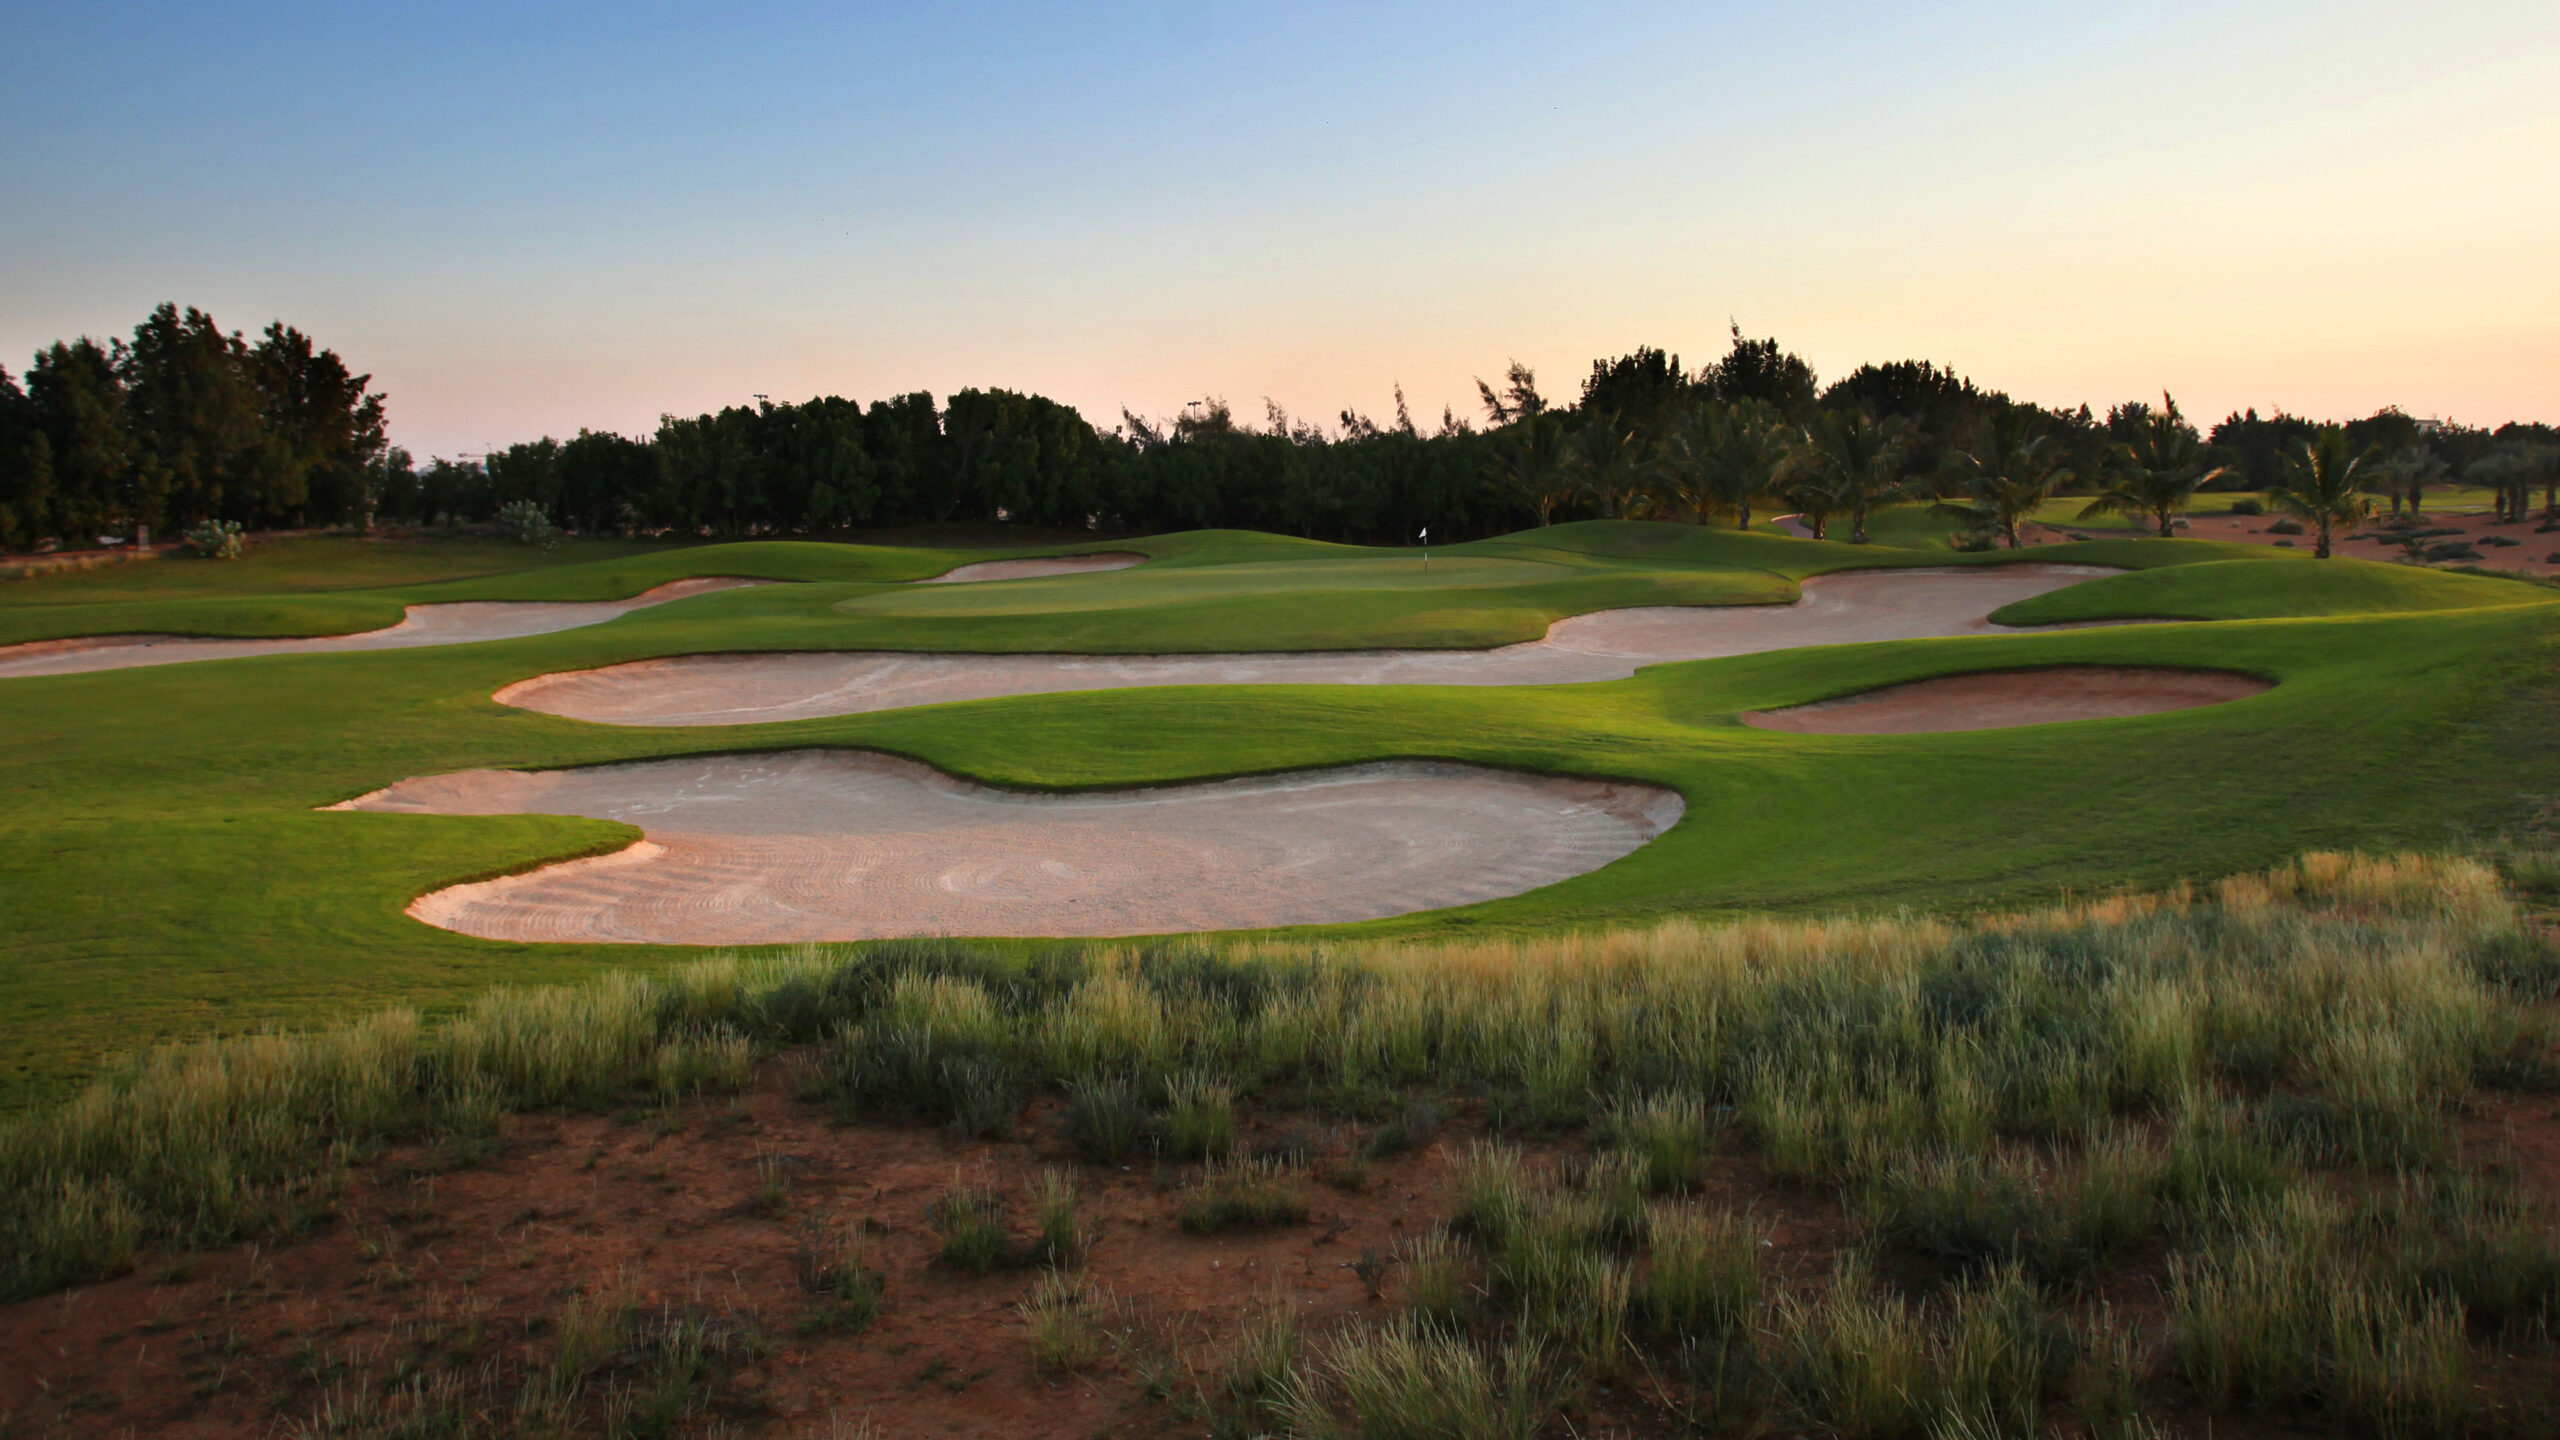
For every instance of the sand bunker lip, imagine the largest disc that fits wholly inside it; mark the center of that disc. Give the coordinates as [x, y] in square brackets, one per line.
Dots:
[1843, 608]
[2006, 699]
[850, 845]
[1035, 569]
[459, 623]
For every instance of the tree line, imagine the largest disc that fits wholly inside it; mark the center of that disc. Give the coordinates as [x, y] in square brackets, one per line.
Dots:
[184, 424]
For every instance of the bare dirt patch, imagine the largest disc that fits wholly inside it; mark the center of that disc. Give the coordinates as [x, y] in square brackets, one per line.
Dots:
[2005, 699]
[430, 1275]
[846, 845]
[2535, 551]
[455, 624]
[1840, 609]
[1035, 569]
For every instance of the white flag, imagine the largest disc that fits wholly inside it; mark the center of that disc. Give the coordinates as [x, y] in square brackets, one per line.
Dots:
[1426, 532]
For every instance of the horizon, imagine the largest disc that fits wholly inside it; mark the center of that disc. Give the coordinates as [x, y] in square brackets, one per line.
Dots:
[587, 219]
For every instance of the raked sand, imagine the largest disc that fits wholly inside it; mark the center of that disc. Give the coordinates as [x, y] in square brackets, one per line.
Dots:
[846, 845]
[746, 689]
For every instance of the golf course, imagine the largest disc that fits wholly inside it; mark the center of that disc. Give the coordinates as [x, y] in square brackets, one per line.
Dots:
[1720, 980]
[199, 794]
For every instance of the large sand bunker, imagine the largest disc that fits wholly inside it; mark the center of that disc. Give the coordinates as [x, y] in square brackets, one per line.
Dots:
[455, 624]
[2004, 699]
[1034, 569]
[1836, 609]
[848, 845]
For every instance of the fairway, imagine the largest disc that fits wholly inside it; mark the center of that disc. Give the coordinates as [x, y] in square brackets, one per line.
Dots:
[174, 866]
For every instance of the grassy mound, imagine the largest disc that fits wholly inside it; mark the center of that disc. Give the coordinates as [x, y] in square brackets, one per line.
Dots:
[2253, 590]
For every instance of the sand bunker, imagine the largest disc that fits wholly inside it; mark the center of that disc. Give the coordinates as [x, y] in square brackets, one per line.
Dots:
[455, 624]
[848, 845]
[2001, 700]
[1033, 569]
[1610, 645]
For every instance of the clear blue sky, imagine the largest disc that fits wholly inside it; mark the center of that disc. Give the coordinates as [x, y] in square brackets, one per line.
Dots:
[525, 219]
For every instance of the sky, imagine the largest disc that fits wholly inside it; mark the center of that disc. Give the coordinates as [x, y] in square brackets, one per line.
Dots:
[531, 219]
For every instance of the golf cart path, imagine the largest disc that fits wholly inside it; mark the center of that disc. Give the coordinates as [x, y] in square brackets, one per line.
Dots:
[847, 845]
[1842, 608]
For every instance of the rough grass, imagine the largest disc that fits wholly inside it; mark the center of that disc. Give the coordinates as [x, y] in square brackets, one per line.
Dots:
[1922, 1061]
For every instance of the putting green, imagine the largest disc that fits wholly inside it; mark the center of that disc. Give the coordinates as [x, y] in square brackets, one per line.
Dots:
[166, 866]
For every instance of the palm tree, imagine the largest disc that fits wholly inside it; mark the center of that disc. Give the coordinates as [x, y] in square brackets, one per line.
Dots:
[1724, 456]
[1816, 500]
[2009, 474]
[1611, 464]
[2324, 483]
[1534, 463]
[2156, 474]
[1857, 459]
[2411, 471]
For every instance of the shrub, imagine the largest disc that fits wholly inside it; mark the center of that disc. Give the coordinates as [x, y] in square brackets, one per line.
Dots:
[971, 1222]
[216, 540]
[526, 521]
[2286, 525]
[1106, 1120]
[1199, 1118]
[1408, 1381]
[1668, 1135]
[1064, 1316]
[2248, 505]
[1704, 1280]
[2501, 541]
[1062, 1232]
[844, 1282]
[1416, 1126]
[1435, 1279]
[1244, 1192]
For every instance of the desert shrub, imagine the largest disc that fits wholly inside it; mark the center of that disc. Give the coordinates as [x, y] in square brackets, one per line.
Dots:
[970, 1220]
[1408, 1381]
[1199, 1118]
[1106, 1120]
[2248, 505]
[2285, 525]
[1668, 1135]
[2217, 1164]
[2500, 541]
[1065, 1317]
[1973, 541]
[1060, 1218]
[1435, 1278]
[720, 1062]
[2521, 962]
[1417, 1125]
[836, 1270]
[1704, 1276]
[1244, 1192]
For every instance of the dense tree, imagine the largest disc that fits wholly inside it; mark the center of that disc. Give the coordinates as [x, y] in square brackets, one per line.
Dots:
[2324, 483]
[1761, 370]
[2255, 449]
[1533, 464]
[83, 481]
[2156, 466]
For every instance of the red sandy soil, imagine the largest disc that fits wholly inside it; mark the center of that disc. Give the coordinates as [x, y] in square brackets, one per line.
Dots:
[848, 845]
[2532, 554]
[1842, 609]
[466, 1271]
[2005, 699]
[1034, 569]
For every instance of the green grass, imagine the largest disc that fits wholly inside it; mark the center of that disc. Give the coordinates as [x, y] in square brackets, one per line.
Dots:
[2251, 590]
[165, 870]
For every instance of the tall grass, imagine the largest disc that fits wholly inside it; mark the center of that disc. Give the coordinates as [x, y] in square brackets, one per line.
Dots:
[2333, 1011]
